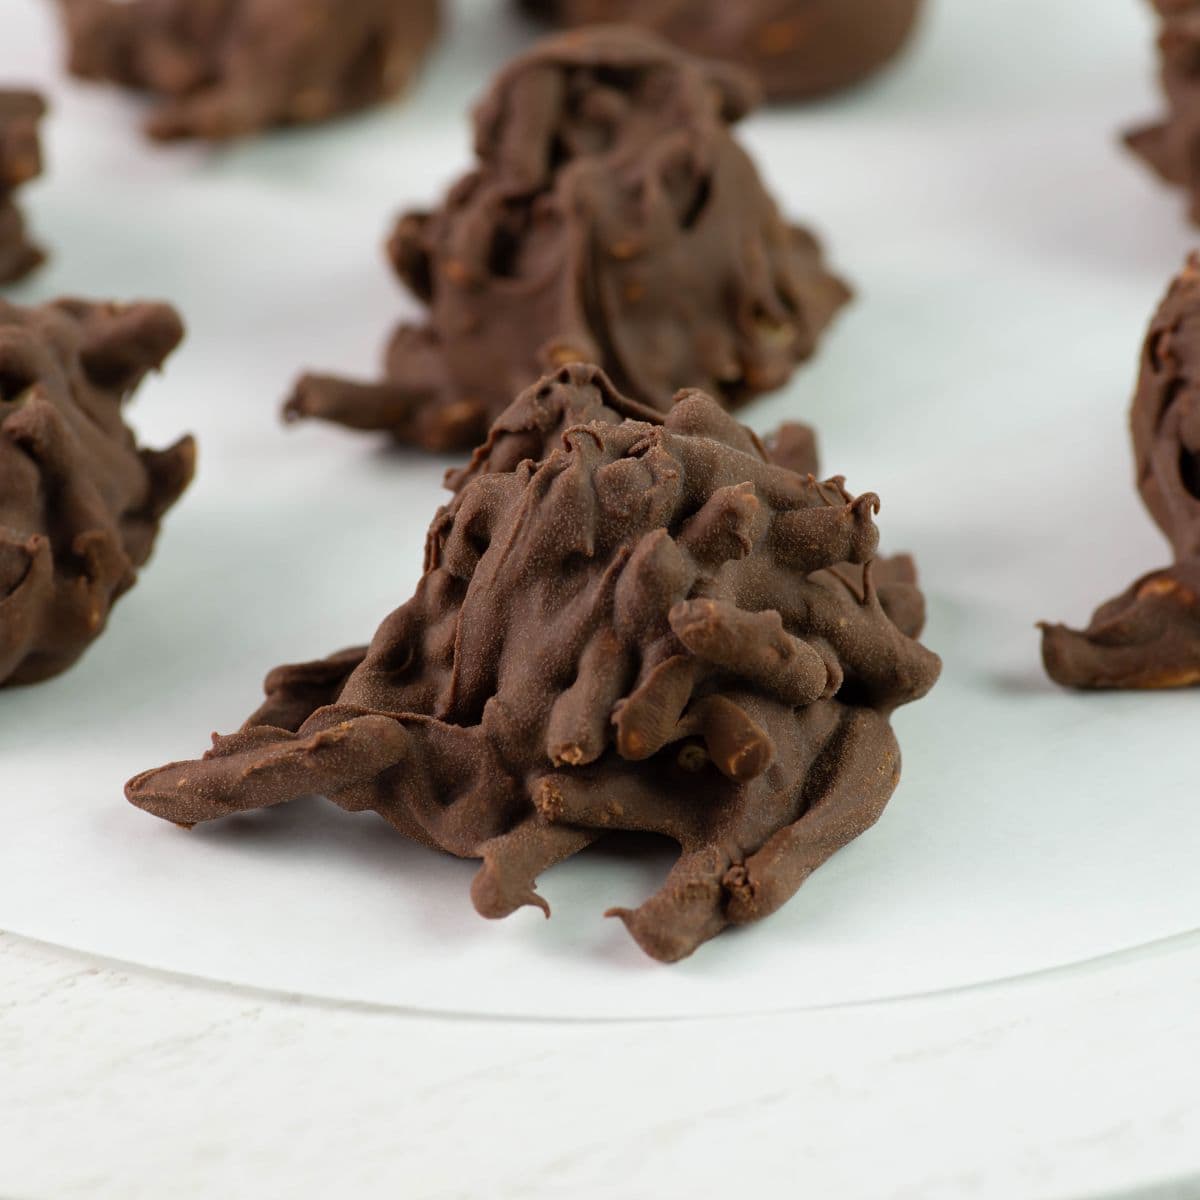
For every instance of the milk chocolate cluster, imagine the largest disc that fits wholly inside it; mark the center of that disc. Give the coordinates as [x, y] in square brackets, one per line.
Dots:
[1169, 145]
[80, 502]
[628, 621]
[798, 48]
[20, 161]
[612, 218]
[227, 68]
[1149, 637]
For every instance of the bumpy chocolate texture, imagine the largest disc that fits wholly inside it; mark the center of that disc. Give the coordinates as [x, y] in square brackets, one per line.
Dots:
[1169, 145]
[20, 161]
[798, 48]
[627, 622]
[80, 503]
[612, 219]
[1150, 636]
[227, 68]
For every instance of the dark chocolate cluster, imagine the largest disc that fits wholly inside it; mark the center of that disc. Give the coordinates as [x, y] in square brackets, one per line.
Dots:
[612, 218]
[1149, 637]
[80, 502]
[20, 161]
[1169, 145]
[226, 68]
[798, 48]
[628, 621]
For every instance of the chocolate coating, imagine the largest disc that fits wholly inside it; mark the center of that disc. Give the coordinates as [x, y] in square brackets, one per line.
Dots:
[799, 49]
[1168, 145]
[80, 502]
[1149, 637]
[637, 623]
[227, 68]
[20, 161]
[613, 219]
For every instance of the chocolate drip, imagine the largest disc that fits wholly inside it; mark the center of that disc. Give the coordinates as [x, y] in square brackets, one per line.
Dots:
[20, 161]
[228, 68]
[799, 49]
[80, 501]
[628, 621]
[1149, 637]
[612, 218]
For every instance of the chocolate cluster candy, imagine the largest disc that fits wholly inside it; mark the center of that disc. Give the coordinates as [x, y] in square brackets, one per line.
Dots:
[628, 620]
[226, 68]
[80, 502]
[798, 48]
[20, 161]
[1150, 636]
[612, 218]
[1169, 145]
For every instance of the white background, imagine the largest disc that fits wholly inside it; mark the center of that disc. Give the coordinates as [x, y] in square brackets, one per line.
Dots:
[1007, 255]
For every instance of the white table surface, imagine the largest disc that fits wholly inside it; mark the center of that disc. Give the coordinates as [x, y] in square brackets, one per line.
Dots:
[117, 1080]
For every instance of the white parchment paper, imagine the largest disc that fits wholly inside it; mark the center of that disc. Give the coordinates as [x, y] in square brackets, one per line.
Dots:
[1007, 255]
